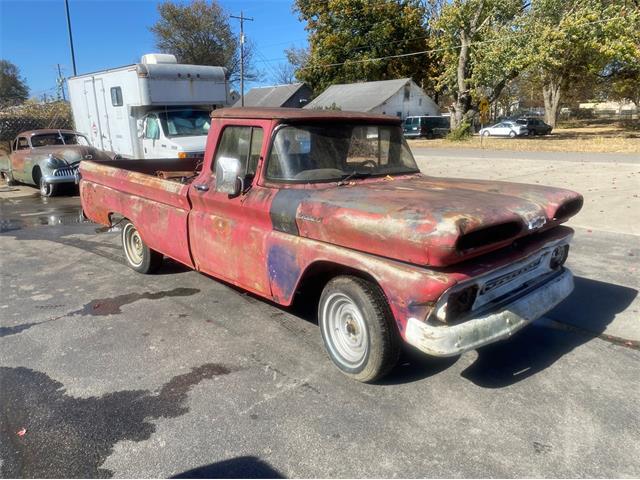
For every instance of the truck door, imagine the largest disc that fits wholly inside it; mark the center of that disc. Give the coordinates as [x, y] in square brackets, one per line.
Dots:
[227, 235]
[151, 137]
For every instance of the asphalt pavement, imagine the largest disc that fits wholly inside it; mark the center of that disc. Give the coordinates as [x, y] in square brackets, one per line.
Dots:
[108, 373]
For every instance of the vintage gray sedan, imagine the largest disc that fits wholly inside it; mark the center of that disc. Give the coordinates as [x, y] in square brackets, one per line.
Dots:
[48, 158]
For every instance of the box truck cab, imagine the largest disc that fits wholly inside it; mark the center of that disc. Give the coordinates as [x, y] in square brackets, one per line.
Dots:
[171, 133]
[157, 108]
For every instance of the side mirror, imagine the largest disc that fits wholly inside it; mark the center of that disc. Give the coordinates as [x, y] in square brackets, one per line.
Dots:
[228, 176]
[140, 125]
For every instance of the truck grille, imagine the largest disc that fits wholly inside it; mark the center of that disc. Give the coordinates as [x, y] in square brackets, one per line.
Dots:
[504, 279]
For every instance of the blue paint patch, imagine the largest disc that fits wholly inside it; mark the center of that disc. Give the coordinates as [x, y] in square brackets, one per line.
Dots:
[283, 271]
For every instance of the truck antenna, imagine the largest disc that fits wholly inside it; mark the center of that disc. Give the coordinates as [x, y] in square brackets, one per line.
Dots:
[242, 18]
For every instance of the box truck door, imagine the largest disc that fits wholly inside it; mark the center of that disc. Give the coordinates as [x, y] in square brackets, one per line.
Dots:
[101, 99]
[95, 128]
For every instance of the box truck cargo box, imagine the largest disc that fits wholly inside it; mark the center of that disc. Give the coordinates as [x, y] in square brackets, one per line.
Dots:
[157, 108]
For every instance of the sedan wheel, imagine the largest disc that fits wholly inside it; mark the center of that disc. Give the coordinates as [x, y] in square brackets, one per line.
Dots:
[486, 133]
[512, 134]
[47, 189]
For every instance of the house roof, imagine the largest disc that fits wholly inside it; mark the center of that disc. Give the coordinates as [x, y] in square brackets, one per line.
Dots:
[273, 96]
[300, 115]
[361, 97]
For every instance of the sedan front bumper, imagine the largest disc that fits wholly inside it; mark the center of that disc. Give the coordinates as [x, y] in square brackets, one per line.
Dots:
[450, 340]
[61, 175]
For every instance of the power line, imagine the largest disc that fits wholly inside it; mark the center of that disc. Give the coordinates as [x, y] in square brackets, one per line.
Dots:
[433, 50]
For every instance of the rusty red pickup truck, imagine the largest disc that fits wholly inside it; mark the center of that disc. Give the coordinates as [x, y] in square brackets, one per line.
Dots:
[332, 205]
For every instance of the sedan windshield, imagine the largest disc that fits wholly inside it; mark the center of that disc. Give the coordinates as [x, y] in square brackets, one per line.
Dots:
[58, 138]
[182, 123]
[322, 152]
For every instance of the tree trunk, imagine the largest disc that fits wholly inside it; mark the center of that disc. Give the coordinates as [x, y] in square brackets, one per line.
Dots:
[463, 96]
[552, 92]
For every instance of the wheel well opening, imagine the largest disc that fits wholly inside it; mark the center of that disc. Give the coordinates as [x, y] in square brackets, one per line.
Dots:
[115, 218]
[313, 281]
[36, 173]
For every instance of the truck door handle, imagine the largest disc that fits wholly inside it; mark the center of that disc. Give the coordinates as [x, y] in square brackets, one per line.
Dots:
[201, 187]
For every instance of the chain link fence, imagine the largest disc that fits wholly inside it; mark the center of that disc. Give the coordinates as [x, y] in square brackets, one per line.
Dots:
[31, 116]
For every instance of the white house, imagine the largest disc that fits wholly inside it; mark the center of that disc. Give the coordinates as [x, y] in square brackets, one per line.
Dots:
[402, 98]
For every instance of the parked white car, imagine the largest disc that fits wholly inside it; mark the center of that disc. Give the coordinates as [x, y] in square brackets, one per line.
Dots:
[505, 129]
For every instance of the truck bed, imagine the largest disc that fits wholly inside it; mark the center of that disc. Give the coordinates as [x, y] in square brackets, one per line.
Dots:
[153, 194]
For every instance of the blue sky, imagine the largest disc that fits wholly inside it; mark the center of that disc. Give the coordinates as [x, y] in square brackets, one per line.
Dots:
[111, 33]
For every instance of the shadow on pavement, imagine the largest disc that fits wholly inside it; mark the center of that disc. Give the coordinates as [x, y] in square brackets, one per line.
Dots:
[240, 467]
[591, 307]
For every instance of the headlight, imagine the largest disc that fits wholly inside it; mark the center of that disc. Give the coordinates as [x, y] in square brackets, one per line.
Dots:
[53, 162]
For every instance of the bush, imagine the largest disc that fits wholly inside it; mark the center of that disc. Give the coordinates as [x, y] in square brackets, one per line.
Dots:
[460, 133]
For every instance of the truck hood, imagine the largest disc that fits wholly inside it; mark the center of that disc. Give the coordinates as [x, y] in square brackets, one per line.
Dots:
[423, 220]
[190, 144]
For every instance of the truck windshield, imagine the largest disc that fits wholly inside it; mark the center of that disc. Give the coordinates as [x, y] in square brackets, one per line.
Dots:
[182, 123]
[322, 152]
[58, 138]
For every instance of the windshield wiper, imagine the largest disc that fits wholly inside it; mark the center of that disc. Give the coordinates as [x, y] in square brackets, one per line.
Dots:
[352, 175]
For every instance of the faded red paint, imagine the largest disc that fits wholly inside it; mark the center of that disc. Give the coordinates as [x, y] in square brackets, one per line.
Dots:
[402, 232]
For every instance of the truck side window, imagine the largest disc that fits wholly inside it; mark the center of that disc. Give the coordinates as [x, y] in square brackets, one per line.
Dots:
[22, 143]
[243, 143]
[152, 128]
[116, 96]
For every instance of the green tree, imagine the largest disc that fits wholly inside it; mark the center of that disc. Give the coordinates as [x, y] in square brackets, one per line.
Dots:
[347, 36]
[574, 40]
[482, 48]
[199, 33]
[13, 87]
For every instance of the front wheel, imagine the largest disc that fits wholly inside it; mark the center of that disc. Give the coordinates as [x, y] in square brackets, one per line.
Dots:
[8, 177]
[47, 189]
[358, 328]
[138, 255]
[486, 133]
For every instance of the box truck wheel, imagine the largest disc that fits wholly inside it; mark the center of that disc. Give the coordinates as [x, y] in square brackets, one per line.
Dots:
[138, 255]
[358, 328]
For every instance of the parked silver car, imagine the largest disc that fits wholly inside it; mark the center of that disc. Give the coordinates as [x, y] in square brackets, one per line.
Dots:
[48, 158]
[505, 129]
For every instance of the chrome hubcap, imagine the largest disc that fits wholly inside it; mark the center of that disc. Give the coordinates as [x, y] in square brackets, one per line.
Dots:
[345, 330]
[133, 246]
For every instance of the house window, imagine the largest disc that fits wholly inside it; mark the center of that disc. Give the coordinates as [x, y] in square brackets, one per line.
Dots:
[116, 96]
[407, 92]
[420, 101]
[399, 114]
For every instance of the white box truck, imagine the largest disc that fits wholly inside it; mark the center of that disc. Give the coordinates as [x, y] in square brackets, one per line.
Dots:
[153, 109]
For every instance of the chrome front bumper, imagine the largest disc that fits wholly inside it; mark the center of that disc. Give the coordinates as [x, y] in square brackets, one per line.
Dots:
[450, 340]
[61, 175]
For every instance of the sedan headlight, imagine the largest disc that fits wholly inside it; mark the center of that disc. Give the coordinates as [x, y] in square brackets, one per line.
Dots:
[53, 162]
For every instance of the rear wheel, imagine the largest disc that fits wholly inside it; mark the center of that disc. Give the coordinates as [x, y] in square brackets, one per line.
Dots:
[358, 328]
[137, 254]
[512, 134]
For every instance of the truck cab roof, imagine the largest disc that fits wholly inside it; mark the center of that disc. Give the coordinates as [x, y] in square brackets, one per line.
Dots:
[299, 115]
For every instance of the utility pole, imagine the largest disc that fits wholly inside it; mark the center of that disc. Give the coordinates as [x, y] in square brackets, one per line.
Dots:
[61, 85]
[242, 18]
[73, 55]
